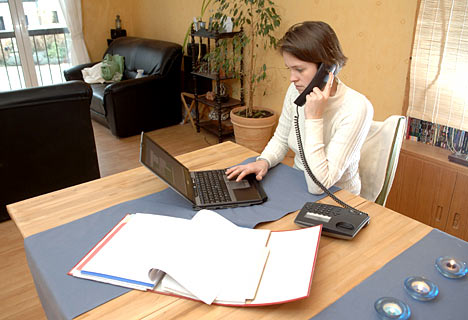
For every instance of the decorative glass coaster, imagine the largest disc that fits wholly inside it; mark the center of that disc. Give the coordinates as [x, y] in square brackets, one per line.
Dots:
[392, 308]
[421, 288]
[450, 267]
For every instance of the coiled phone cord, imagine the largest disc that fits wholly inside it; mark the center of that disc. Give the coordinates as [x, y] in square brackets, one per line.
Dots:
[309, 172]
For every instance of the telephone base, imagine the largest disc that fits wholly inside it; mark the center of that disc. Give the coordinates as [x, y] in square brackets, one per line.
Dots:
[337, 222]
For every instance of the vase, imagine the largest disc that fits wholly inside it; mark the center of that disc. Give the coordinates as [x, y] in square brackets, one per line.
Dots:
[253, 133]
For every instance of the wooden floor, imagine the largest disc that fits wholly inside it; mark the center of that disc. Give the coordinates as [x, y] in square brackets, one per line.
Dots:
[18, 297]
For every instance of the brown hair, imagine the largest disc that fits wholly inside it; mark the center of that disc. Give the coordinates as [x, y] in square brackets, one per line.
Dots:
[313, 41]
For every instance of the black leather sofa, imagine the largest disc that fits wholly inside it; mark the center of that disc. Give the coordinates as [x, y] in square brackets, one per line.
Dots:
[134, 105]
[46, 141]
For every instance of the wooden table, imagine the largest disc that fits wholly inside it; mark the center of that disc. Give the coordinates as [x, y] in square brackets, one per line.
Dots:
[341, 264]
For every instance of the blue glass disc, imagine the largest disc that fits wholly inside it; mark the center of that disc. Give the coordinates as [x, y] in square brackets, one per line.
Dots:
[392, 308]
[421, 288]
[450, 267]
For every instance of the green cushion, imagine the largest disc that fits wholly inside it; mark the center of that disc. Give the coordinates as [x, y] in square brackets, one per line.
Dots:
[112, 67]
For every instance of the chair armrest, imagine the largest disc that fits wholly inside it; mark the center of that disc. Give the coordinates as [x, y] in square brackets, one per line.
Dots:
[132, 84]
[139, 104]
[74, 73]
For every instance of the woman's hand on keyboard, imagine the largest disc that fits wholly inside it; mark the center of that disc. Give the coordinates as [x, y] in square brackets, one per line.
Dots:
[259, 168]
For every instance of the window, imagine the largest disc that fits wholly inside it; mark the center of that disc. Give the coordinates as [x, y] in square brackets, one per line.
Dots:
[55, 17]
[439, 66]
[2, 24]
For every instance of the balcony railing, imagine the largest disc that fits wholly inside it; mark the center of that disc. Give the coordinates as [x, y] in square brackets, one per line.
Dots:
[50, 54]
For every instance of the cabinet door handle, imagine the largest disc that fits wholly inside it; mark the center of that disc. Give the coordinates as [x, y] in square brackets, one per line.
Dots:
[439, 213]
[456, 220]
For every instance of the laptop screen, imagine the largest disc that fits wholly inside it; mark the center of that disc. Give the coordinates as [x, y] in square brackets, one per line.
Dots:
[166, 167]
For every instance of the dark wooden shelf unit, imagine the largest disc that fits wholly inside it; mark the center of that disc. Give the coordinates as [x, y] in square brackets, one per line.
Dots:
[212, 126]
[221, 128]
[212, 76]
[213, 103]
[203, 33]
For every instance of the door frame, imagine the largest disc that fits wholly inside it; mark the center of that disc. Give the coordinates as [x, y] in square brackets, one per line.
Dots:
[20, 29]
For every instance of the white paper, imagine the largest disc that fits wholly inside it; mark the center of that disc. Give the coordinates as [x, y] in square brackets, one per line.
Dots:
[120, 257]
[288, 273]
[200, 253]
[207, 258]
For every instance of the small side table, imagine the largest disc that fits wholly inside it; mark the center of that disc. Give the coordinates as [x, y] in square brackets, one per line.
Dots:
[116, 33]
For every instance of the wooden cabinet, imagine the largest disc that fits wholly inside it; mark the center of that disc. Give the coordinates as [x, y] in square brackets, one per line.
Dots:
[457, 221]
[431, 189]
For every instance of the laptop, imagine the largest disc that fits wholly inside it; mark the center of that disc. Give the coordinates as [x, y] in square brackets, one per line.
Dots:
[203, 189]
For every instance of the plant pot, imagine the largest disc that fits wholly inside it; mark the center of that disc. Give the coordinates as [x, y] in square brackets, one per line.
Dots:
[253, 133]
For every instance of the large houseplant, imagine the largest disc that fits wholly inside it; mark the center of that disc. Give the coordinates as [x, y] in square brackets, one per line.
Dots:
[259, 20]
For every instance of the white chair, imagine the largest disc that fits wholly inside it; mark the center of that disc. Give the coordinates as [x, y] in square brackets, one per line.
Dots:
[379, 158]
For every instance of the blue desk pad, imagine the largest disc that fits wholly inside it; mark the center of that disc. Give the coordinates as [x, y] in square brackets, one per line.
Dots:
[53, 253]
[418, 260]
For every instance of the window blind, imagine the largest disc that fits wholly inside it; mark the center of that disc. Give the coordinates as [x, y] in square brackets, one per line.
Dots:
[439, 66]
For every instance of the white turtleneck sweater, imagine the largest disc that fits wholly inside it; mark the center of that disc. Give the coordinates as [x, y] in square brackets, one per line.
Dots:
[332, 144]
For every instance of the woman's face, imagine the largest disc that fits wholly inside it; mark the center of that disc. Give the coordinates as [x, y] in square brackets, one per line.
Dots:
[301, 72]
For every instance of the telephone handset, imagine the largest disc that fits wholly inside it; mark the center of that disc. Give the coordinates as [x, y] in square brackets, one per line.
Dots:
[341, 222]
[320, 80]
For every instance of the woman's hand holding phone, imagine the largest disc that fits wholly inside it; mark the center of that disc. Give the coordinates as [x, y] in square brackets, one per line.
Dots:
[317, 99]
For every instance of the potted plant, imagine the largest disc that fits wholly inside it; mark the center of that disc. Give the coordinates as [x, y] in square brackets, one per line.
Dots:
[258, 19]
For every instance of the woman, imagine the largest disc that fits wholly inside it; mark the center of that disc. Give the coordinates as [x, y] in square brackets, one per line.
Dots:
[333, 123]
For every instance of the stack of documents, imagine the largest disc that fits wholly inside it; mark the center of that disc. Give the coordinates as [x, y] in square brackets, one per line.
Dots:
[207, 258]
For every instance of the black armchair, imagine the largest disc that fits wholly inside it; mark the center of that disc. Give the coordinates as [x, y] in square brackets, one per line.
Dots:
[134, 105]
[46, 141]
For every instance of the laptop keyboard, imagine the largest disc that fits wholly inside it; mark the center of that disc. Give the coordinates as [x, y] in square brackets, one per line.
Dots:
[211, 186]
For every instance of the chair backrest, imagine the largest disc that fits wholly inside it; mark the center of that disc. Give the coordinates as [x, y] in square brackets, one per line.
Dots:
[155, 57]
[379, 158]
[46, 141]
